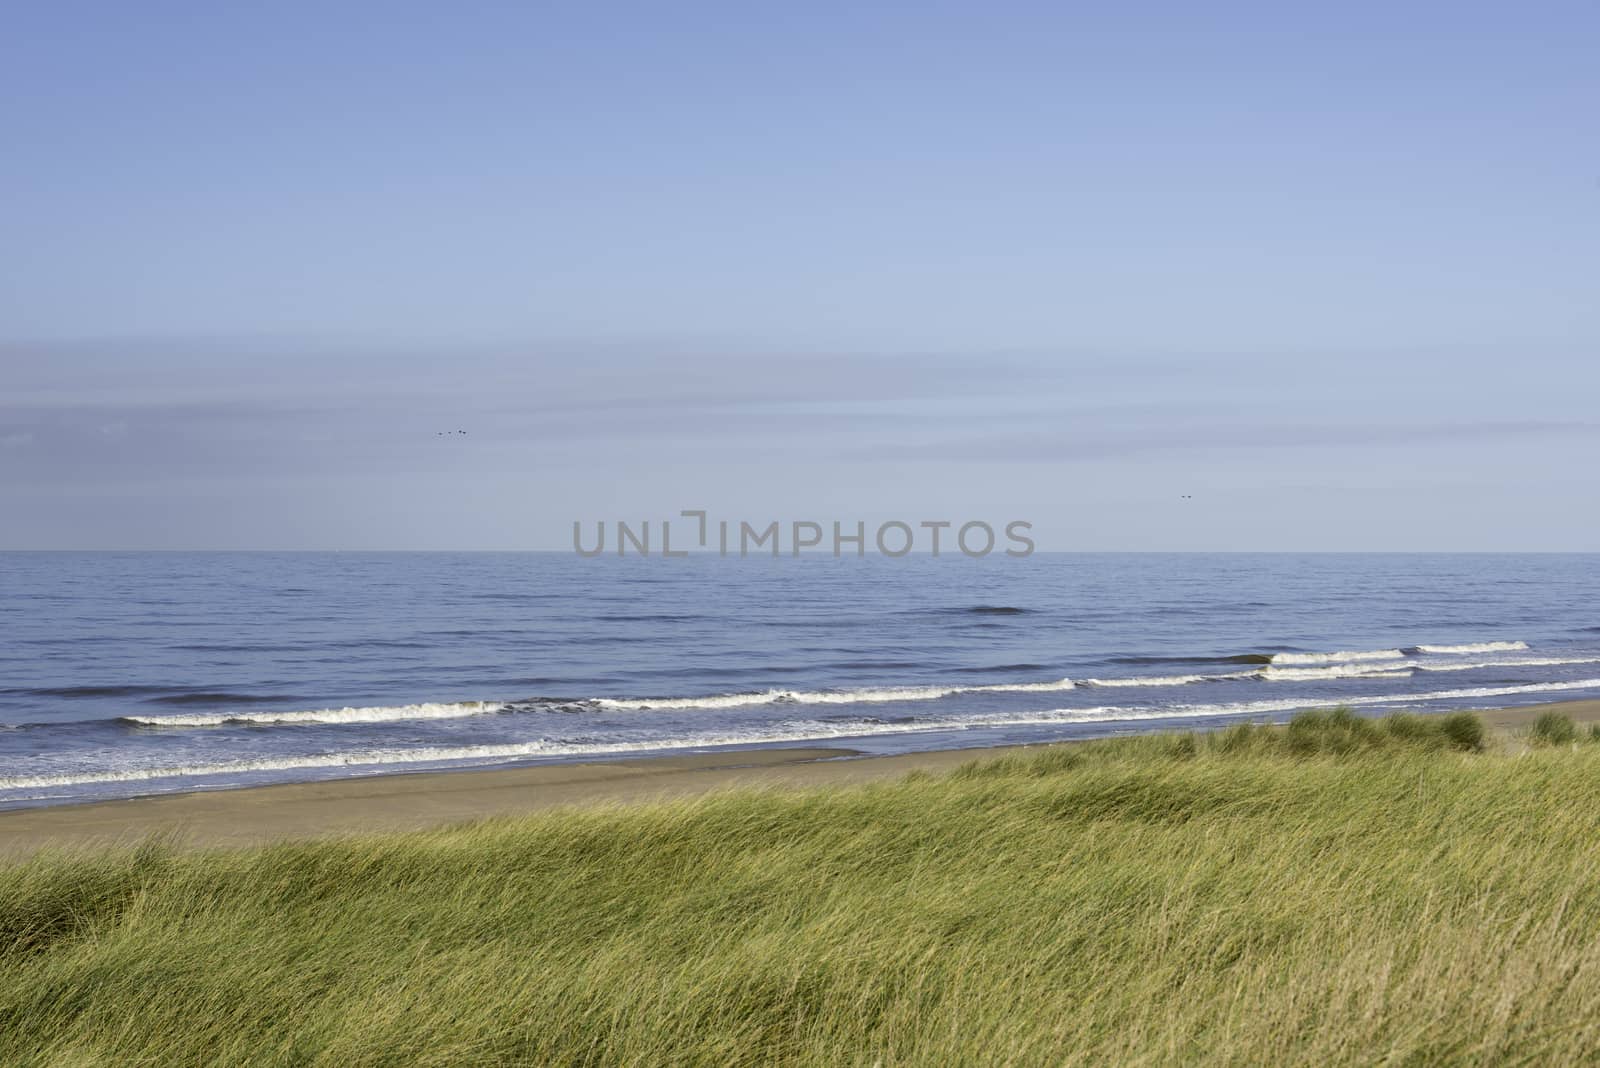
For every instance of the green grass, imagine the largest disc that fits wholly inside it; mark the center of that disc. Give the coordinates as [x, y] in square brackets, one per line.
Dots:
[1552, 728]
[1338, 891]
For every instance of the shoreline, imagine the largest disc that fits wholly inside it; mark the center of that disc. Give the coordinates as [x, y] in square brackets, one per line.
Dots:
[254, 815]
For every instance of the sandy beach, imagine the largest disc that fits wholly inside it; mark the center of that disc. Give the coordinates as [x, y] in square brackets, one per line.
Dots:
[416, 802]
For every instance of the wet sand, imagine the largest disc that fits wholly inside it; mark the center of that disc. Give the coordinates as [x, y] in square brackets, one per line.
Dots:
[404, 802]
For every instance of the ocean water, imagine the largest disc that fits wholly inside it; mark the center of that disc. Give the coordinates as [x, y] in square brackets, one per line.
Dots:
[135, 673]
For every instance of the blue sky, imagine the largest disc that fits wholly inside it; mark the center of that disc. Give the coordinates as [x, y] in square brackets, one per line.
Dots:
[1332, 272]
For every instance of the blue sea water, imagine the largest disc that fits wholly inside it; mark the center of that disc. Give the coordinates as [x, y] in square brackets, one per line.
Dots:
[135, 673]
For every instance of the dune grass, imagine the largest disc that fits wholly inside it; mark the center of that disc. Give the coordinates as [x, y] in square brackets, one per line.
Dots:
[1337, 891]
[1552, 728]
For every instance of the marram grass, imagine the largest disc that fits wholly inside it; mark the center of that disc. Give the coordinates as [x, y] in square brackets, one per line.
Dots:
[1333, 892]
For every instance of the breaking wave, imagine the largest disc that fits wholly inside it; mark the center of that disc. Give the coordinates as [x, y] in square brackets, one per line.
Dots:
[1150, 680]
[826, 697]
[1473, 647]
[1335, 658]
[1377, 669]
[1474, 665]
[1170, 680]
[1285, 667]
[1241, 658]
[792, 732]
[801, 731]
[380, 714]
[1401, 700]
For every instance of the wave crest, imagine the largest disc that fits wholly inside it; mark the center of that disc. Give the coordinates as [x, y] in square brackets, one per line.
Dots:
[825, 697]
[377, 714]
[1336, 658]
[788, 732]
[1474, 647]
[1381, 669]
[1162, 680]
[1545, 661]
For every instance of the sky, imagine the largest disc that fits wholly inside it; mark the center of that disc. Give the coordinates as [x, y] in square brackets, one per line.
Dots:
[1148, 276]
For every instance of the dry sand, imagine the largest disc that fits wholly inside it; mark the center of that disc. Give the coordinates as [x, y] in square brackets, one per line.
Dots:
[411, 802]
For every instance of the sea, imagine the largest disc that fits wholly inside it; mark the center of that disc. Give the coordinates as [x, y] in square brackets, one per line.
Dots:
[126, 674]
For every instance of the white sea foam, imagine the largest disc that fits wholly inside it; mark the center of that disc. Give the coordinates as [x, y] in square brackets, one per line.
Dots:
[1336, 658]
[1474, 665]
[244, 767]
[1474, 647]
[933, 693]
[376, 758]
[788, 732]
[1398, 699]
[378, 714]
[807, 731]
[769, 697]
[1021, 687]
[1163, 680]
[1287, 704]
[872, 695]
[1374, 664]
[1378, 669]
